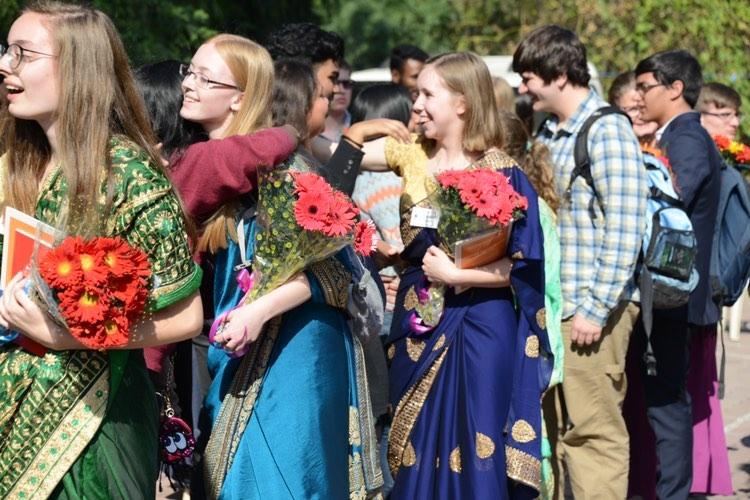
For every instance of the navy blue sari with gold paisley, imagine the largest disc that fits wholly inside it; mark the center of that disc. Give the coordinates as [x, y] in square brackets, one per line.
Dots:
[467, 421]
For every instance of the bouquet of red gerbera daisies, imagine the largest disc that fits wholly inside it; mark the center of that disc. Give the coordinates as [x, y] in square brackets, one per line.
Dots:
[472, 202]
[300, 220]
[97, 288]
[477, 208]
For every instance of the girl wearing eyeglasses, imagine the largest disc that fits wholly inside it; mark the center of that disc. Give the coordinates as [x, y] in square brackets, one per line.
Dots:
[79, 155]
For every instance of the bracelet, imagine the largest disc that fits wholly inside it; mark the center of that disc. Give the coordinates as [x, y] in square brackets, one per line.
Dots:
[352, 141]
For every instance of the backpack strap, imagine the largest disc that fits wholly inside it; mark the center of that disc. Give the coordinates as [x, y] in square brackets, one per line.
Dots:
[581, 157]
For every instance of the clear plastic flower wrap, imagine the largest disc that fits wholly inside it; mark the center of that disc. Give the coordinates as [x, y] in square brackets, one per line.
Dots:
[476, 209]
[300, 220]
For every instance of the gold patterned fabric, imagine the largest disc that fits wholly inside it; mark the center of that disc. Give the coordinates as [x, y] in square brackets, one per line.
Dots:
[236, 409]
[485, 446]
[54, 406]
[446, 383]
[334, 279]
[523, 467]
[407, 412]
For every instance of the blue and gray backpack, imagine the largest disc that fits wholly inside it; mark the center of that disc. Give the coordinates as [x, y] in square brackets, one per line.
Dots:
[666, 275]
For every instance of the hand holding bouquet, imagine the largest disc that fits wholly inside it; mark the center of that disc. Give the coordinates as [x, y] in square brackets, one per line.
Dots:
[300, 220]
[477, 208]
[97, 288]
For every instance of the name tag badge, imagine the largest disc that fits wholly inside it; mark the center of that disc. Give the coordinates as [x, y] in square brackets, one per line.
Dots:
[424, 217]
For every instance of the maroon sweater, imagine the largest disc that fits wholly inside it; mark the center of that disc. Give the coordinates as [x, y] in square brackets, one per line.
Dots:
[209, 173]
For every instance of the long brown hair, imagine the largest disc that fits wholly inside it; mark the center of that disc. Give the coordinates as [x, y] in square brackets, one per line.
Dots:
[252, 69]
[98, 99]
[533, 158]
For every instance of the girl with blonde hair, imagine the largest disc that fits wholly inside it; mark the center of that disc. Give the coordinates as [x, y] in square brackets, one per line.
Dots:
[79, 155]
[467, 420]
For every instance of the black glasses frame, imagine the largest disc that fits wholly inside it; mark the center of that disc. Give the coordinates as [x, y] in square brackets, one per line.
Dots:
[201, 80]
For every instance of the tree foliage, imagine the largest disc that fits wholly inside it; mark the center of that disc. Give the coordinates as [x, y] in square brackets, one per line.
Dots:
[154, 30]
[617, 33]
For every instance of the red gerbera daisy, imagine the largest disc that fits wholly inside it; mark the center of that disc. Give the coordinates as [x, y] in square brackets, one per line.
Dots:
[365, 237]
[722, 142]
[449, 178]
[84, 305]
[119, 258]
[115, 331]
[131, 294]
[744, 155]
[341, 216]
[60, 268]
[92, 266]
[87, 335]
[486, 205]
[311, 211]
[308, 182]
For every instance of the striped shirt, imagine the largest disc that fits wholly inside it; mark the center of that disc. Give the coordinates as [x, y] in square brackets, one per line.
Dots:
[598, 255]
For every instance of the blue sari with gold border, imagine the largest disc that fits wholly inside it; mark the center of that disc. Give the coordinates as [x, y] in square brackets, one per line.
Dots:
[467, 395]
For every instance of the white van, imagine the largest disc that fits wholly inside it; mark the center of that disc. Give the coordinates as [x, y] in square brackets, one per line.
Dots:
[498, 66]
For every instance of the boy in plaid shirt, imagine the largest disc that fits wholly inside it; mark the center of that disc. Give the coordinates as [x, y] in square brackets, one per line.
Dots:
[601, 230]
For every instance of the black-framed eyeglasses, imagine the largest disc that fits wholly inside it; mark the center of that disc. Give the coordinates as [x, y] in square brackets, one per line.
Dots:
[201, 80]
[631, 109]
[726, 116]
[17, 54]
[643, 88]
[345, 84]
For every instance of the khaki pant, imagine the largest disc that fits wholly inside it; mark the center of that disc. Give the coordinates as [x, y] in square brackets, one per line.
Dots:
[583, 416]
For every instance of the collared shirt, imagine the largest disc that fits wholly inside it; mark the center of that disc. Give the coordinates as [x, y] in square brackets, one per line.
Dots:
[660, 130]
[598, 255]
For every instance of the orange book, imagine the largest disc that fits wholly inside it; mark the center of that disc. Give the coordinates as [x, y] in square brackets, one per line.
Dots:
[25, 238]
[481, 249]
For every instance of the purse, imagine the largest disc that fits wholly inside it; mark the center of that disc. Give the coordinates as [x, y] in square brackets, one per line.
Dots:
[176, 440]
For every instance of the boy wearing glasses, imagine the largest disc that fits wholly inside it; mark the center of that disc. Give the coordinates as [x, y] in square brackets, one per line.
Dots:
[719, 106]
[669, 84]
[600, 228]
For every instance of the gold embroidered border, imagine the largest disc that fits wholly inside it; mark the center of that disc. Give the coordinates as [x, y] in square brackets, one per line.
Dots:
[236, 409]
[80, 424]
[334, 281]
[408, 233]
[523, 468]
[439, 343]
[373, 474]
[407, 411]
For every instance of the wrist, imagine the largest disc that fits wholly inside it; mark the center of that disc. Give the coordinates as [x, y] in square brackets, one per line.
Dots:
[354, 135]
[456, 277]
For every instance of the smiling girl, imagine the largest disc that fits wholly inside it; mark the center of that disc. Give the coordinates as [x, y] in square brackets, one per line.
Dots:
[77, 423]
[467, 421]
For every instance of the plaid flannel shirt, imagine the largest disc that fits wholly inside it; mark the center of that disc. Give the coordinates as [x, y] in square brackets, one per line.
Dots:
[598, 255]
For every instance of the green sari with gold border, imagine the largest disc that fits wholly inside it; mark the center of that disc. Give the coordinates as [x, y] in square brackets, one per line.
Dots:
[83, 424]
